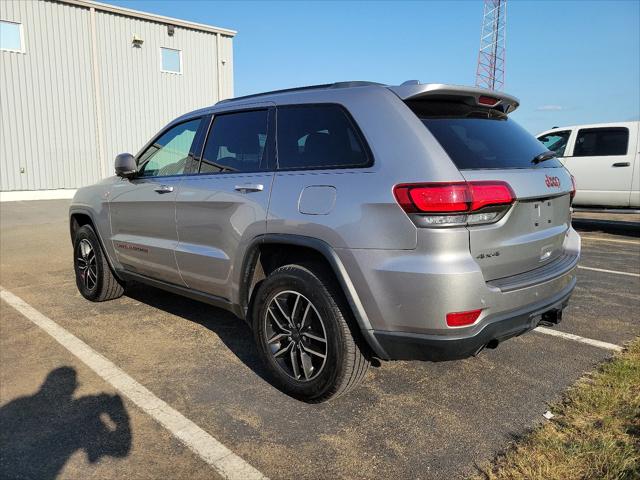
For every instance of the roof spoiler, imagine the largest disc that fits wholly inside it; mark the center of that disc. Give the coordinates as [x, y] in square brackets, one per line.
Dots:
[480, 96]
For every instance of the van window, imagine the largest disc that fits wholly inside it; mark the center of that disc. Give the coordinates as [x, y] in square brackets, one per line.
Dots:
[236, 143]
[480, 138]
[556, 141]
[318, 136]
[595, 142]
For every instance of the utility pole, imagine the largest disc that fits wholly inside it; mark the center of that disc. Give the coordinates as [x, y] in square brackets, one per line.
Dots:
[491, 57]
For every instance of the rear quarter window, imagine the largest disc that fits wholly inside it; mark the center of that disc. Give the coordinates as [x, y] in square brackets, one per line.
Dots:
[481, 138]
[319, 136]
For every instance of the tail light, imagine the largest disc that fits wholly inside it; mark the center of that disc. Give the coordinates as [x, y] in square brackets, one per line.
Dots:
[462, 319]
[454, 204]
[573, 187]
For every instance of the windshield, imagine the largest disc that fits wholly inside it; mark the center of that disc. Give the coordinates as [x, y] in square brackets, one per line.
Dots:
[556, 142]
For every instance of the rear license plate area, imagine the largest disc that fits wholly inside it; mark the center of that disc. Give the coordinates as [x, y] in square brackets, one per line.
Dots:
[542, 214]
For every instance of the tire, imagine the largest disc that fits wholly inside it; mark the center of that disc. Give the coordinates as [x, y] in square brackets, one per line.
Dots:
[94, 277]
[316, 379]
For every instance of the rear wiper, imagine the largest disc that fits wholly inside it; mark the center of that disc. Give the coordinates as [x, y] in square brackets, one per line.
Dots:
[543, 157]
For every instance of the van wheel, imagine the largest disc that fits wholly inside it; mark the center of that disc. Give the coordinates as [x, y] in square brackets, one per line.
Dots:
[300, 325]
[94, 278]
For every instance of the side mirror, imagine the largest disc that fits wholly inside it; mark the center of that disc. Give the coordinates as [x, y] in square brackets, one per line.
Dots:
[126, 165]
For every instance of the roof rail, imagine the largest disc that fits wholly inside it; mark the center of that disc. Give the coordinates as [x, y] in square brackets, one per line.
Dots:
[302, 89]
[356, 83]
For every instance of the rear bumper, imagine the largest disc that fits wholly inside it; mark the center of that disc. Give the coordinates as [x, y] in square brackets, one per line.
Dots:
[413, 346]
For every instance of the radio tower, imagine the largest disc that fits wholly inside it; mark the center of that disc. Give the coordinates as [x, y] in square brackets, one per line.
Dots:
[491, 58]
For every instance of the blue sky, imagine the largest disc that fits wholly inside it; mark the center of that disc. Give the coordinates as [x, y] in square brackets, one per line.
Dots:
[568, 61]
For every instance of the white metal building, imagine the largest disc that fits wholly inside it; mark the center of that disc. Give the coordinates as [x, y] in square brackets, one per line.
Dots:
[82, 81]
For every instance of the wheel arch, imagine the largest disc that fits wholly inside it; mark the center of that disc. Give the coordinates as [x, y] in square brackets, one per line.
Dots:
[81, 217]
[269, 251]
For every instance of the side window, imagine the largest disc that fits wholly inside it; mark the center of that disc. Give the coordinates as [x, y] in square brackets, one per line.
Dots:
[595, 142]
[237, 143]
[556, 141]
[169, 153]
[318, 136]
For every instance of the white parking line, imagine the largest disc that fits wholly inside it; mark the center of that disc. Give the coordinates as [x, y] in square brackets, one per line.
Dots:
[223, 460]
[612, 240]
[578, 338]
[616, 272]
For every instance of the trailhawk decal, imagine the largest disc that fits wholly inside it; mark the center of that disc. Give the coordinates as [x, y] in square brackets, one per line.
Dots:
[129, 246]
[552, 181]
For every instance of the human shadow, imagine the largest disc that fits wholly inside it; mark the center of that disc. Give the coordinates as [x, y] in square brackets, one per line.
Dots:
[39, 433]
[233, 332]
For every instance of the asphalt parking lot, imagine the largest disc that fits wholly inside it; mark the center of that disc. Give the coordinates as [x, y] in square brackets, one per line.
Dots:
[59, 419]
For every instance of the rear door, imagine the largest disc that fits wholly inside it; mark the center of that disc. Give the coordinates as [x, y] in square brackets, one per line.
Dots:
[487, 145]
[142, 210]
[602, 163]
[222, 208]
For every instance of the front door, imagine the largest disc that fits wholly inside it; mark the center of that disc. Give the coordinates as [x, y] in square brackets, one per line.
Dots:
[222, 209]
[142, 210]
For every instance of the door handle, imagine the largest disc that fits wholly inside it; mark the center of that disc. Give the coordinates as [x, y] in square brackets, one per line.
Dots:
[164, 189]
[249, 187]
[621, 164]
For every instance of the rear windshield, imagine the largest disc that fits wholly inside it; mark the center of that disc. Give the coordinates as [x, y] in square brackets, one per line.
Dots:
[483, 139]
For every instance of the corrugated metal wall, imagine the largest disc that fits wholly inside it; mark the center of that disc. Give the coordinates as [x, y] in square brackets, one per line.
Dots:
[46, 98]
[52, 122]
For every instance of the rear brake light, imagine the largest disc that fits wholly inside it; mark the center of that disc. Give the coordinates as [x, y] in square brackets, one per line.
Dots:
[455, 203]
[485, 100]
[461, 319]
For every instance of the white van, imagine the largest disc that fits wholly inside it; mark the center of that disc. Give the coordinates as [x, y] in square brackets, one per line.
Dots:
[604, 158]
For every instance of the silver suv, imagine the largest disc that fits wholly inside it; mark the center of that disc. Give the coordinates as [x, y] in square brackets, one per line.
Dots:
[345, 222]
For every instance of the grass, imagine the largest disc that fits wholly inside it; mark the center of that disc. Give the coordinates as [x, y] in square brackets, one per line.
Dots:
[595, 433]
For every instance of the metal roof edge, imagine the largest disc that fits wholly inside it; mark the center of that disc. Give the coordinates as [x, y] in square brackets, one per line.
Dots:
[127, 12]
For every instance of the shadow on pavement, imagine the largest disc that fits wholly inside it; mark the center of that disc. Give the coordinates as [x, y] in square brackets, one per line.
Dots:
[233, 332]
[612, 227]
[39, 433]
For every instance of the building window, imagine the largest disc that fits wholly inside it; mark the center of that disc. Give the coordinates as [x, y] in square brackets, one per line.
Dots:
[171, 60]
[11, 36]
